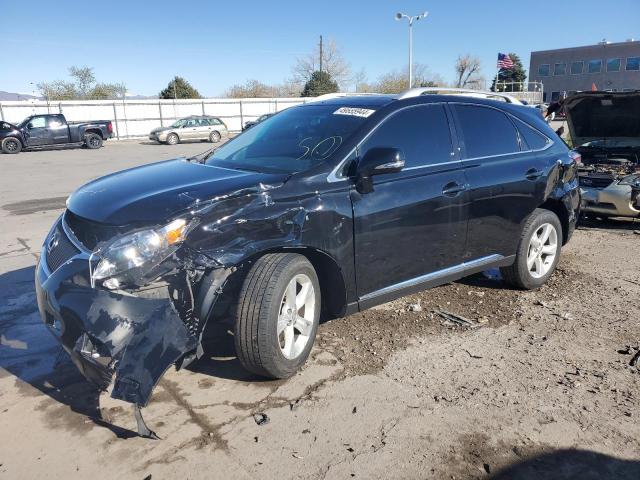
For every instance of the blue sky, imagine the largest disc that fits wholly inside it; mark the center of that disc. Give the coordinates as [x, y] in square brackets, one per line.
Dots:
[217, 44]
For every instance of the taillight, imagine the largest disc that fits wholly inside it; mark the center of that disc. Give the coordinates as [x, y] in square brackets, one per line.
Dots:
[109, 127]
[569, 170]
[575, 157]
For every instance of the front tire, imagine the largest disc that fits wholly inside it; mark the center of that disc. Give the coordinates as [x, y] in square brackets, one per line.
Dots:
[11, 145]
[172, 139]
[92, 140]
[277, 315]
[538, 251]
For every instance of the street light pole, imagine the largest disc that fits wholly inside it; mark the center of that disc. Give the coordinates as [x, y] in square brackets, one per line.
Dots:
[400, 16]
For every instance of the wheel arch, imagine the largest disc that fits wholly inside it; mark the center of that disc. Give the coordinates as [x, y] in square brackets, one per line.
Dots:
[97, 131]
[15, 137]
[558, 207]
[333, 287]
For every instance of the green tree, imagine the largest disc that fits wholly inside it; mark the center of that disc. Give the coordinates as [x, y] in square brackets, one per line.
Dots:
[82, 87]
[319, 84]
[511, 79]
[179, 88]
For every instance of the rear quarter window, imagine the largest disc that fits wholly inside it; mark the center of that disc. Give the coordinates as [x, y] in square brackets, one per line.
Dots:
[486, 131]
[533, 139]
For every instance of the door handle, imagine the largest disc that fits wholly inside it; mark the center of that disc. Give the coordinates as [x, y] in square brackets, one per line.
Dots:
[452, 189]
[533, 174]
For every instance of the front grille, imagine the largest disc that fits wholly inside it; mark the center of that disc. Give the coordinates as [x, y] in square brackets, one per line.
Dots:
[59, 248]
[596, 181]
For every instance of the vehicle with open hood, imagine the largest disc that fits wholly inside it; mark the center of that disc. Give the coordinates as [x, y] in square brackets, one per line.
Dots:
[320, 211]
[605, 130]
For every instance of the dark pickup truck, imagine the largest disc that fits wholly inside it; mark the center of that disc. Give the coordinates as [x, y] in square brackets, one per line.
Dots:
[38, 131]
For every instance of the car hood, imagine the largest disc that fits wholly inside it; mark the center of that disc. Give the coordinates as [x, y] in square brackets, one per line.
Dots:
[613, 117]
[152, 194]
[8, 127]
[161, 129]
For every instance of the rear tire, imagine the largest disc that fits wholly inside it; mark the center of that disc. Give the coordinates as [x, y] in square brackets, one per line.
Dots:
[215, 137]
[538, 251]
[173, 139]
[92, 141]
[277, 315]
[11, 145]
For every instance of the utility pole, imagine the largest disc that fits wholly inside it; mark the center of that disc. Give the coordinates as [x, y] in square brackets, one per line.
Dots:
[320, 53]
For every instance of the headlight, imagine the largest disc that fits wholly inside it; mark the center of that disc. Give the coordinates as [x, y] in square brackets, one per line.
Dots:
[632, 180]
[142, 249]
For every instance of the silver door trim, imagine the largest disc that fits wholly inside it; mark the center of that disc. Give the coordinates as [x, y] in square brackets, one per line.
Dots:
[433, 276]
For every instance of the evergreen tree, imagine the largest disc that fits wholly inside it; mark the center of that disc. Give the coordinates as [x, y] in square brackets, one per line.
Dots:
[179, 88]
[319, 84]
[511, 79]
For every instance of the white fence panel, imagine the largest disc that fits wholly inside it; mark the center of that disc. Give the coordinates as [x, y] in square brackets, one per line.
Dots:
[136, 118]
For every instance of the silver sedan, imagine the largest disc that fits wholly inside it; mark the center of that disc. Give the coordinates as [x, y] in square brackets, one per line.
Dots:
[191, 128]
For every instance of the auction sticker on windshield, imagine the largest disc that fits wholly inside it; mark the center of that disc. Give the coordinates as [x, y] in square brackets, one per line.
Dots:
[355, 112]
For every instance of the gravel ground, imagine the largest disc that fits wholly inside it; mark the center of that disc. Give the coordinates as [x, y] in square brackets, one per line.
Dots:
[539, 387]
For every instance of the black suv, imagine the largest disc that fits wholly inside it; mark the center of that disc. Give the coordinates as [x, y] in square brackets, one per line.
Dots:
[321, 210]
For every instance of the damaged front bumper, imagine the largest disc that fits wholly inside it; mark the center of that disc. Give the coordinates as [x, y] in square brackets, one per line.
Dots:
[110, 335]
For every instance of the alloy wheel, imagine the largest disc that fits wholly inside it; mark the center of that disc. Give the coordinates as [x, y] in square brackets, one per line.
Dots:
[296, 317]
[543, 248]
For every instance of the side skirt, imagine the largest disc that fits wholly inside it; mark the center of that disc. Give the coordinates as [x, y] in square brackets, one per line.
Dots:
[433, 279]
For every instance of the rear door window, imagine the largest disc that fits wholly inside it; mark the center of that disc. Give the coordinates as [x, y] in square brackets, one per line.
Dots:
[486, 131]
[55, 121]
[421, 132]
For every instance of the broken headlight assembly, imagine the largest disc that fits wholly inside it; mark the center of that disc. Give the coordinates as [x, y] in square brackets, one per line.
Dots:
[631, 180]
[132, 255]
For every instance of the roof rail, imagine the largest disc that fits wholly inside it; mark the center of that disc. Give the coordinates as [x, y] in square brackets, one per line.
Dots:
[329, 96]
[416, 92]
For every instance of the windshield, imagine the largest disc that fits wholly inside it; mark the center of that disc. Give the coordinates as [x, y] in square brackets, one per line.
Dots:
[294, 140]
[179, 123]
[24, 122]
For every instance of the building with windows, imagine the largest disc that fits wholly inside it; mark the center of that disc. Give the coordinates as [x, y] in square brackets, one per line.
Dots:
[610, 66]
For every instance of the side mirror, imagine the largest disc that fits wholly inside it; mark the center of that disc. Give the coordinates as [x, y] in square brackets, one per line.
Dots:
[29, 126]
[377, 161]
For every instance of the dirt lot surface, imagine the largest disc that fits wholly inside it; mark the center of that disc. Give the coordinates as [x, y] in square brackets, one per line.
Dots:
[540, 387]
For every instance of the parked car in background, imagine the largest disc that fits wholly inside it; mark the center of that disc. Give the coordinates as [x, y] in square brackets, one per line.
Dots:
[41, 131]
[605, 130]
[261, 118]
[202, 127]
[326, 208]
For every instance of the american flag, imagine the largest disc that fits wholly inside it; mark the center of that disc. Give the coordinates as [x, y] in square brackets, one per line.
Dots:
[504, 61]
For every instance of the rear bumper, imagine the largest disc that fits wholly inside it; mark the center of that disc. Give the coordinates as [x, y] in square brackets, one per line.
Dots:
[111, 335]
